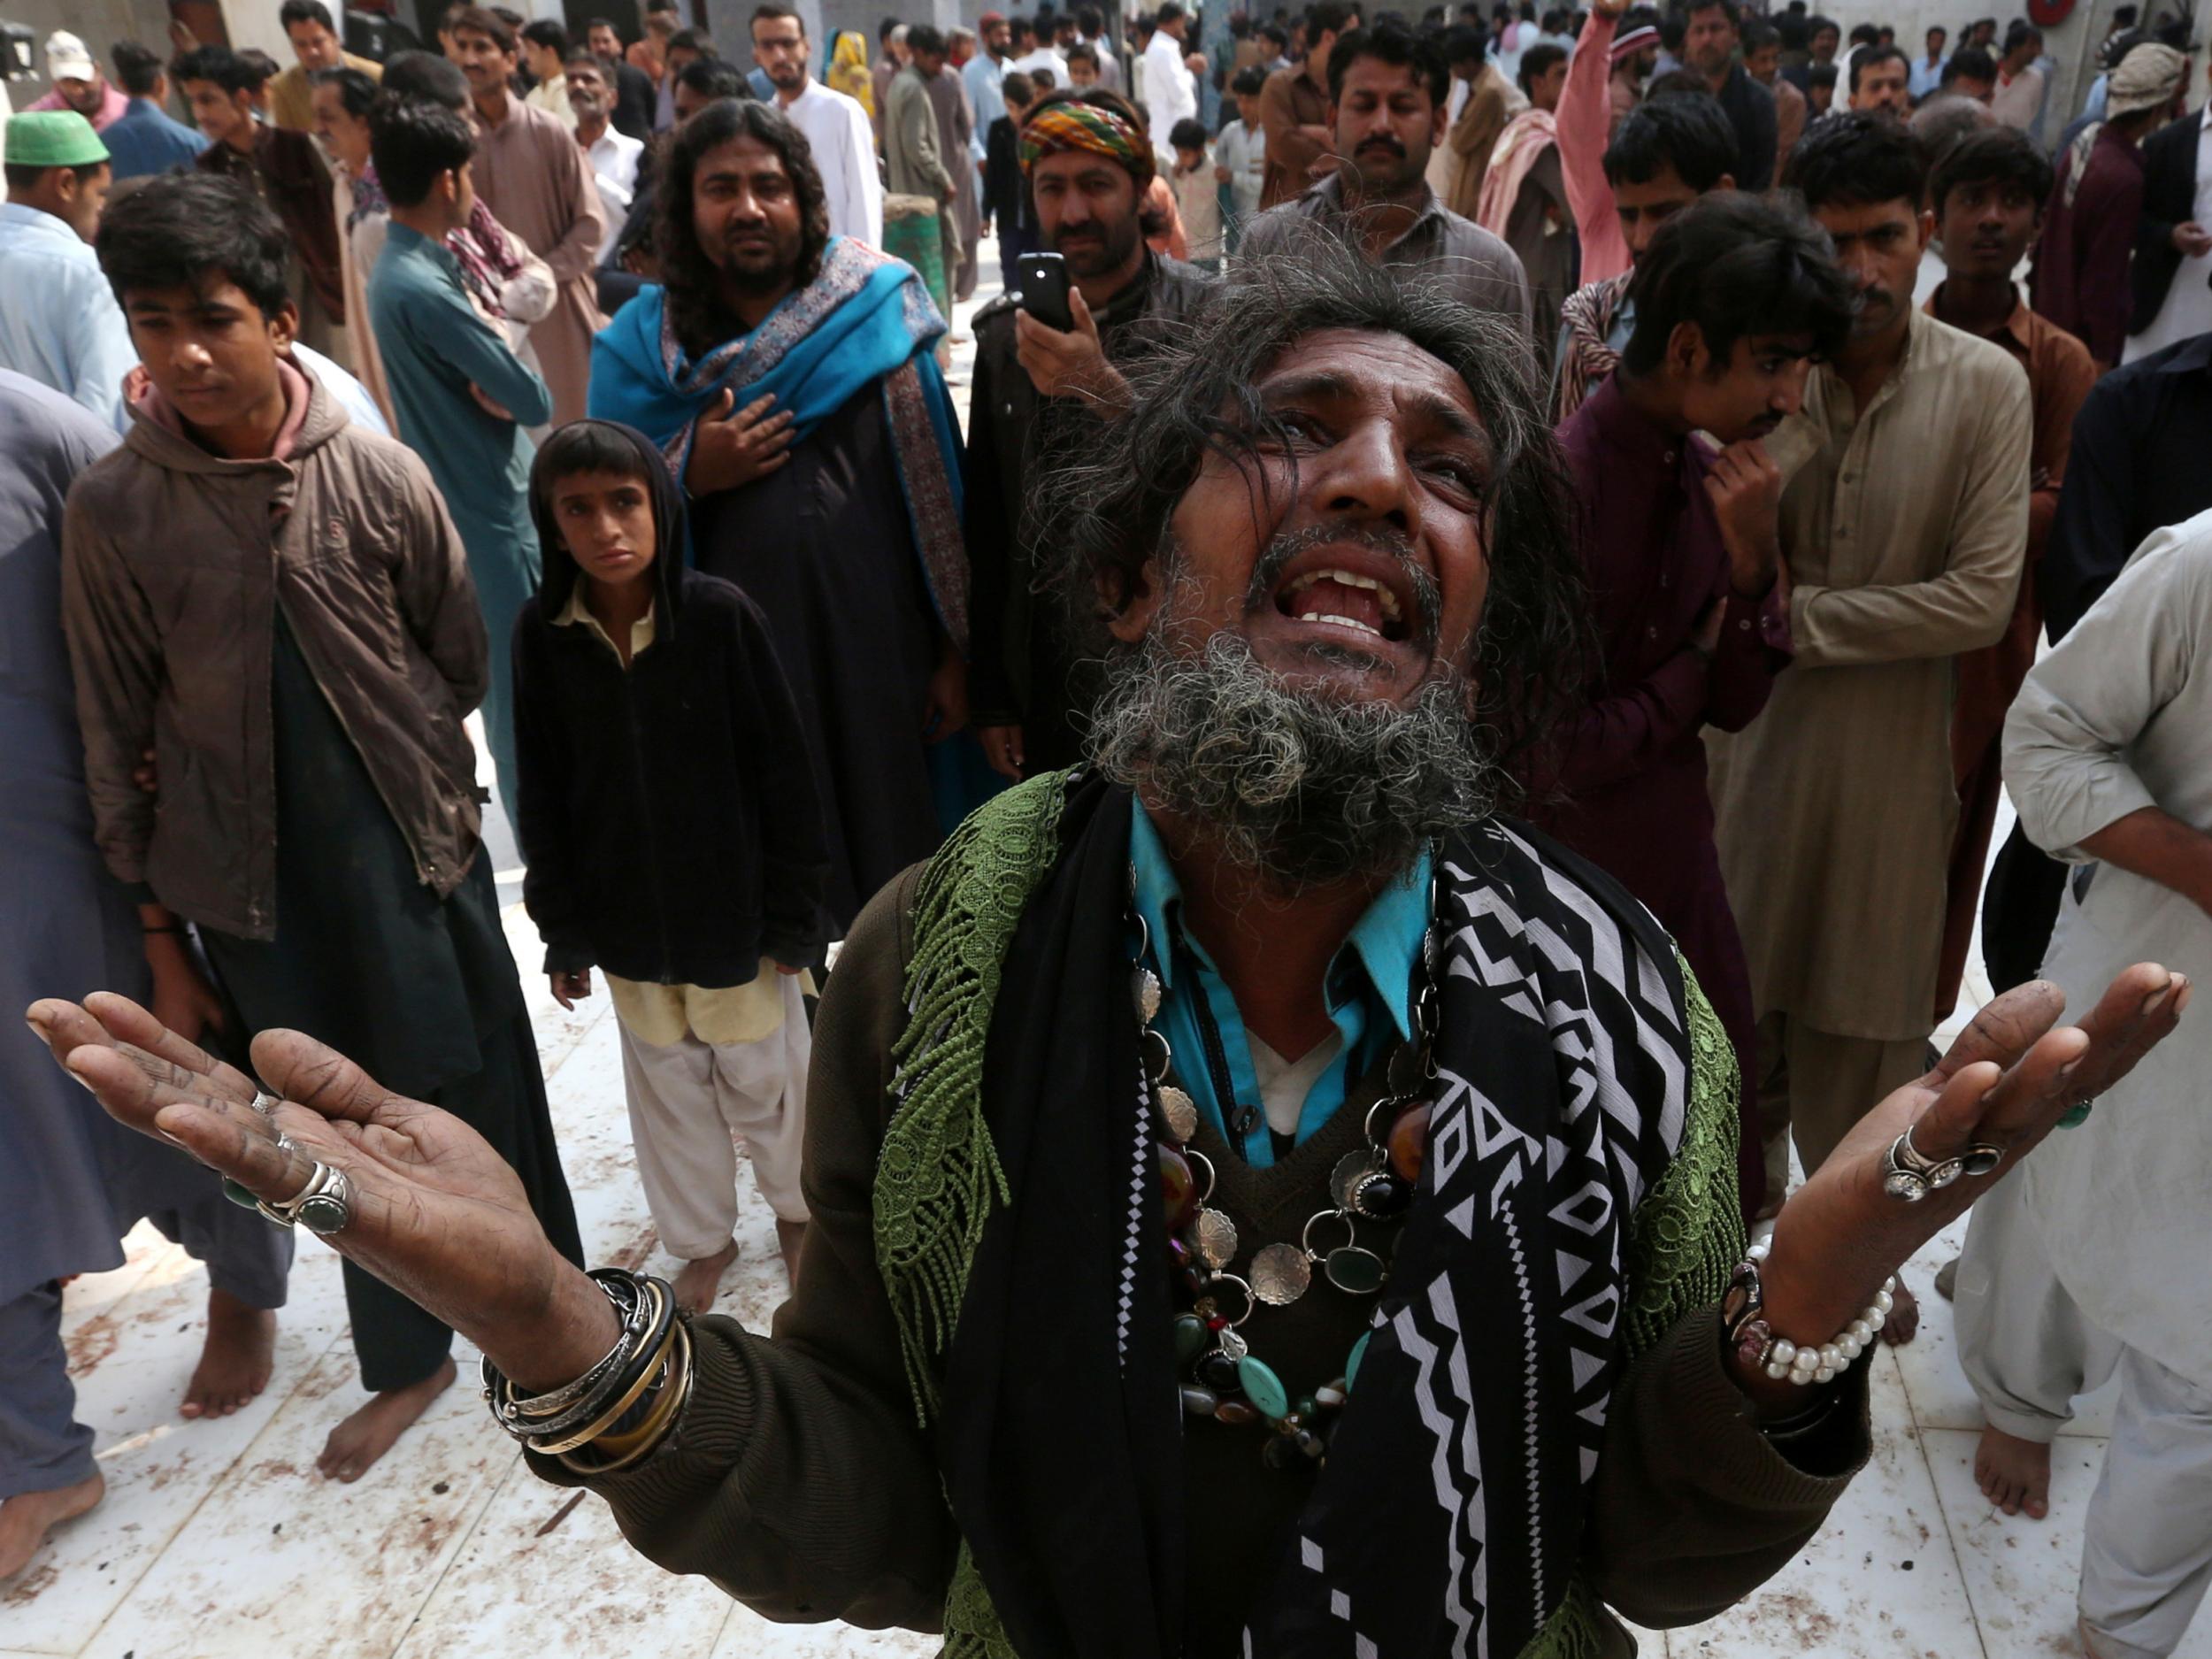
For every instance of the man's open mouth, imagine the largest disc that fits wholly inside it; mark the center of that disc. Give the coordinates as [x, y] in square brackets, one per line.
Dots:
[1334, 590]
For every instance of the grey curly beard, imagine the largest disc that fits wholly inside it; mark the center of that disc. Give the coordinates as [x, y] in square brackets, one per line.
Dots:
[1301, 787]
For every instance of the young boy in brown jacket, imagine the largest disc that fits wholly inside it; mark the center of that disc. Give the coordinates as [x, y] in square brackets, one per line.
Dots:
[276, 605]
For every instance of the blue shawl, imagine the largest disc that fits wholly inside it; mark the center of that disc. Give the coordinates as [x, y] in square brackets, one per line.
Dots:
[866, 319]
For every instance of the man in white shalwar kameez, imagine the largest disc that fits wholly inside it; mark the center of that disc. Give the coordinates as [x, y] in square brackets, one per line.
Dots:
[2095, 1258]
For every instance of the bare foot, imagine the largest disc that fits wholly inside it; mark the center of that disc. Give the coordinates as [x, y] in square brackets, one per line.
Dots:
[697, 1283]
[365, 1436]
[1903, 1322]
[27, 1517]
[1947, 1280]
[2015, 1474]
[236, 1360]
[790, 1236]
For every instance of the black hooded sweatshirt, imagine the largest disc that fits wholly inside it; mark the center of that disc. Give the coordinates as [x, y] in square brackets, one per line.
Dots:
[668, 812]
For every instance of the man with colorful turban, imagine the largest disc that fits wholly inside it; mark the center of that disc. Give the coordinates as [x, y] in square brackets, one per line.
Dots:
[1087, 162]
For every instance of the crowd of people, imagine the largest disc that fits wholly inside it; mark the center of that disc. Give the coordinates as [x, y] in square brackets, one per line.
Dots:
[1495, 617]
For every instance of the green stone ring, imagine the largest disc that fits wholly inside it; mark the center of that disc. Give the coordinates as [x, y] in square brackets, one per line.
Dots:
[239, 1195]
[2076, 1116]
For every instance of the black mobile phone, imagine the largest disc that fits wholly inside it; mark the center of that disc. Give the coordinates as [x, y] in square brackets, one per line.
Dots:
[1044, 289]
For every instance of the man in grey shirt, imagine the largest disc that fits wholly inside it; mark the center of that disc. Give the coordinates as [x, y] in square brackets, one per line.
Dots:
[1386, 108]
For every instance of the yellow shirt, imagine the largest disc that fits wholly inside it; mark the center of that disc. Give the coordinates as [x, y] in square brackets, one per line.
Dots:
[665, 1014]
[292, 95]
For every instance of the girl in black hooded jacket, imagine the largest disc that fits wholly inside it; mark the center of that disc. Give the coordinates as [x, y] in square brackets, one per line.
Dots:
[673, 838]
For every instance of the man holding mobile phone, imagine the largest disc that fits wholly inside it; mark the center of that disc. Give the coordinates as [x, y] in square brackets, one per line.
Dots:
[1086, 161]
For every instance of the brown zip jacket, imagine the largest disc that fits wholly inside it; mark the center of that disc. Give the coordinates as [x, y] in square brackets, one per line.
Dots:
[174, 562]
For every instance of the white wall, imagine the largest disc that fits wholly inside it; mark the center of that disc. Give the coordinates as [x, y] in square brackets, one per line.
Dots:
[2071, 45]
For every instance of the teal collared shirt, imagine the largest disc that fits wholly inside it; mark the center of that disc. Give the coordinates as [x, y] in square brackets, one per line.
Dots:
[1368, 990]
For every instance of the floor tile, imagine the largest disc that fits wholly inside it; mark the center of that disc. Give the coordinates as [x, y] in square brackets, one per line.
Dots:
[277, 1558]
[750, 1636]
[516, 1584]
[1941, 1397]
[130, 1362]
[1880, 1580]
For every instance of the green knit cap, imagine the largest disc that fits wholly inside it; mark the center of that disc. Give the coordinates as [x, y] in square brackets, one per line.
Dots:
[52, 138]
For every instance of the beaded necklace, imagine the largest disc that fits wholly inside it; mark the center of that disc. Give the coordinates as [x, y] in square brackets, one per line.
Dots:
[1221, 1378]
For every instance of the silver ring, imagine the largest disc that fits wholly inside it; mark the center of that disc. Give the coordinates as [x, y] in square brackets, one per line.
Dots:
[264, 1103]
[1909, 1174]
[284, 1143]
[324, 1206]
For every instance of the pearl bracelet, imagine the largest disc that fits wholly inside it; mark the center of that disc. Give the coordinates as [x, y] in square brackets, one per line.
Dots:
[1786, 1361]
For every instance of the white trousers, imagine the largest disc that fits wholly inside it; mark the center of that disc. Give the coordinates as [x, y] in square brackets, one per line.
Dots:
[2147, 1553]
[692, 1102]
[2029, 1351]
[2025, 1347]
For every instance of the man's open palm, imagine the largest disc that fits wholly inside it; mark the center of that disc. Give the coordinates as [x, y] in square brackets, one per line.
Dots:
[437, 1213]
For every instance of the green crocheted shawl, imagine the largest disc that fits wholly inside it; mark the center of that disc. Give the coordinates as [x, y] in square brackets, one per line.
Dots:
[939, 1174]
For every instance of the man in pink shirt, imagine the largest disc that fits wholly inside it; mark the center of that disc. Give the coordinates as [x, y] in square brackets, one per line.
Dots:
[78, 83]
[1586, 127]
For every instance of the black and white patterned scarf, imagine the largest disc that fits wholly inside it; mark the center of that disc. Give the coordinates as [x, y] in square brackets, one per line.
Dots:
[1447, 1519]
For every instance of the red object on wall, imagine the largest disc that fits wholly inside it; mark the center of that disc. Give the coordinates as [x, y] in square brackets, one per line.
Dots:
[2045, 13]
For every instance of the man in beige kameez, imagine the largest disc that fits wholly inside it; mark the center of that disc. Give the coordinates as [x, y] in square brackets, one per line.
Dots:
[532, 174]
[956, 133]
[1903, 529]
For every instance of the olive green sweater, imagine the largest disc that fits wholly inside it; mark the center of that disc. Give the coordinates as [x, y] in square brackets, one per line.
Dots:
[800, 1481]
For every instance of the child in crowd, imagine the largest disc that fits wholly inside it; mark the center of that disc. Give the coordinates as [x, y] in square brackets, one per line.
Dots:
[1240, 156]
[276, 605]
[1005, 192]
[672, 835]
[1197, 193]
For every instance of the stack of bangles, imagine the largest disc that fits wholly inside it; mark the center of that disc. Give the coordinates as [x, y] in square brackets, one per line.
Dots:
[622, 1406]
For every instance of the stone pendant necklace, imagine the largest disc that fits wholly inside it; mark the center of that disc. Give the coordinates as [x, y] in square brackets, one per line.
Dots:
[1372, 1187]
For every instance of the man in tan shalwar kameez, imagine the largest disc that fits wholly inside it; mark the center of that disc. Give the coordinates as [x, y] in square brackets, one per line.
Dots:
[955, 132]
[1902, 529]
[1491, 101]
[532, 174]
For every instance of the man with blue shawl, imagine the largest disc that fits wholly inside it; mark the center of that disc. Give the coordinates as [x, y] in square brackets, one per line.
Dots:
[787, 376]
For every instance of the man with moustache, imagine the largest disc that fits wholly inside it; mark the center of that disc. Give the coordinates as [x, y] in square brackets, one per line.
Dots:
[1332, 548]
[1735, 299]
[821, 457]
[1902, 528]
[1388, 90]
[1708, 49]
[538, 182]
[836, 127]
[1087, 162]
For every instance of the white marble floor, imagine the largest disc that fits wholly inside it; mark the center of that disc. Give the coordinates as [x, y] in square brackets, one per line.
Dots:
[218, 1541]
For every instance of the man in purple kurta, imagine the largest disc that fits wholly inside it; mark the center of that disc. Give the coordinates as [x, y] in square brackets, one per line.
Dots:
[1732, 301]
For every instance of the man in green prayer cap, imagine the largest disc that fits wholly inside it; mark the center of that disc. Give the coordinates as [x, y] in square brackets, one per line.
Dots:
[59, 321]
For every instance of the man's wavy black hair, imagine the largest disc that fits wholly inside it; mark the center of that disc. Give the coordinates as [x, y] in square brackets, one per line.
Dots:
[1859, 159]
[1737, 266]
[1107, 503]
[693, 283]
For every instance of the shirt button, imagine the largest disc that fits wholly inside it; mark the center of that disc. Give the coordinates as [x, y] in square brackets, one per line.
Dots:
[1651, 633]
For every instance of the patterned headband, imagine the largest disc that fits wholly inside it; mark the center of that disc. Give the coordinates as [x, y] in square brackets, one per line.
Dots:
[1076, 125]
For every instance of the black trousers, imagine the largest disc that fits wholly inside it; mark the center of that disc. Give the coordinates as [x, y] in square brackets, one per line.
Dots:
[2019, 906]
[398, 1344]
